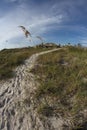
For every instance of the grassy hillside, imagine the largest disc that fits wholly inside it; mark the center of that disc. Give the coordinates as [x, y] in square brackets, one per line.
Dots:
[11, 58]
[63, 84]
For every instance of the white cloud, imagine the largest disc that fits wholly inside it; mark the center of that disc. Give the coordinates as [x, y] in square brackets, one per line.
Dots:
[15, 1]
[83, 41]
[37, 23]
[11, 0]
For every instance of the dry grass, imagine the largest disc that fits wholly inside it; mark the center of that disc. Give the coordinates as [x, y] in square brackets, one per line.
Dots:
[11, 58]
[63, 78]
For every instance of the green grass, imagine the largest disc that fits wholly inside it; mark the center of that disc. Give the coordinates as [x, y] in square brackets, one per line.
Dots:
[45, 109]
[63, 81]
[11, 58]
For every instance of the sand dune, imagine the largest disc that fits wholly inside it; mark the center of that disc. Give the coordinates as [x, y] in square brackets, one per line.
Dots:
[14, 114]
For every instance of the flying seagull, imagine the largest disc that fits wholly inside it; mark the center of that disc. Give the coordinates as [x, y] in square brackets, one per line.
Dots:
[26, 32]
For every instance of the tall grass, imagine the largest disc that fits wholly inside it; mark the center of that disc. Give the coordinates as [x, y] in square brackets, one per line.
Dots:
[11, 58]
[63, 81]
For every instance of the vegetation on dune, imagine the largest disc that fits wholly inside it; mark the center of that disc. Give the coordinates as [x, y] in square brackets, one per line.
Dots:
[11, 58]
[62, 76]
[63, 82]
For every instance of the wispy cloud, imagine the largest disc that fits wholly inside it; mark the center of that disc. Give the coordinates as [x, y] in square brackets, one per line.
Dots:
[36, 23]
[15, 0]
[83, 40]
[66, 17]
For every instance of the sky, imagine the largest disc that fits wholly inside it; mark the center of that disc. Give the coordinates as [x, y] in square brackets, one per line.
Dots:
[59, 21]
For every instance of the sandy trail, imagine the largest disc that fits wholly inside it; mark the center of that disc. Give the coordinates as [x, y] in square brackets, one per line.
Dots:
[13, 113]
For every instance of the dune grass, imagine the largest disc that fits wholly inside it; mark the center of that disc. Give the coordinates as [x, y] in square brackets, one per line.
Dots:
[11, 58]
[63, 81]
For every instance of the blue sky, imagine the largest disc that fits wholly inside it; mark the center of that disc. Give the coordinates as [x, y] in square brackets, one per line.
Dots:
[59, 21]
